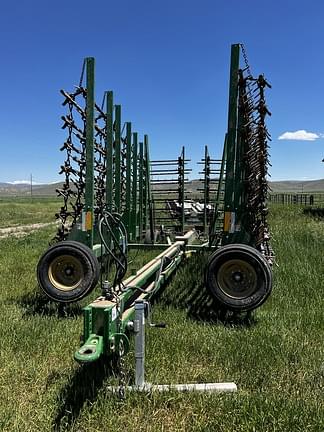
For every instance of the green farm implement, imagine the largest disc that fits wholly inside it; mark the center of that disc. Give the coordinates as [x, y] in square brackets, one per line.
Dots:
[114, 198]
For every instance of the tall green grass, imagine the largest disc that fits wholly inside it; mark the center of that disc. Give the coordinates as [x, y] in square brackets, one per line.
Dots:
[275, 356]
[21, 211]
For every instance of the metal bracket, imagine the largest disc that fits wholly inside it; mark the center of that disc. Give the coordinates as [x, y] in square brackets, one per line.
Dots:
[140, 384]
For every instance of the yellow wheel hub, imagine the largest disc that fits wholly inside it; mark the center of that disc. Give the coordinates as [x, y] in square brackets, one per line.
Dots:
[65, 273]
[237, 278]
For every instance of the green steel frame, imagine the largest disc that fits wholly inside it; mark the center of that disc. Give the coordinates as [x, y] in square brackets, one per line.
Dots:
[169, 189]
[231, 187]
[109, 149]
[206, 187]
[181, 187]
[88, 214]
[134, 232]
[128, 209]
[216, 226]
[135, 204]
[229, 223]
[106, 321]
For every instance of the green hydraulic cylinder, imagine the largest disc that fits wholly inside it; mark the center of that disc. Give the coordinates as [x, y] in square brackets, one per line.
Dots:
[134, 188]
[88, 213]
[109, 149]
[148, 188]
[181, 172]
[117, 164]
[145, 189]
[238, 175]
[127, 217]
[230, 186]
[239, 186]
[141, 191]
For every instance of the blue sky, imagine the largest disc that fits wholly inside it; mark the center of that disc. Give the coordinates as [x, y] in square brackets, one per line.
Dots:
[167, 63]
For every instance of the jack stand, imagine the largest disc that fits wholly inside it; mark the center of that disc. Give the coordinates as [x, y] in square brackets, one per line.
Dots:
[140, 384]
[139, 330]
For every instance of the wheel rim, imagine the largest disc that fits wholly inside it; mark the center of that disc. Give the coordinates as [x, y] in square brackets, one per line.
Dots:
[237, 279]
[65, 272]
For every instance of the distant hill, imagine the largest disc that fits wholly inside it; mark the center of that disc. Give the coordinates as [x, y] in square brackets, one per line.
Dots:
[22, 189]
[298, 186]
[294, 186]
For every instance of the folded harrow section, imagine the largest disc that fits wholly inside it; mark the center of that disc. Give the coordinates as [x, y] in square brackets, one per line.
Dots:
[115, 198]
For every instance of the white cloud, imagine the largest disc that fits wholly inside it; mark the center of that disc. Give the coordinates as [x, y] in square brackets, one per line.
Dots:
[26, 182]
[300, 135]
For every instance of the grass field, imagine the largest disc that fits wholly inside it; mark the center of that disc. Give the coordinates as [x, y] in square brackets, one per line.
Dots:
[275, 356]
[23, 211]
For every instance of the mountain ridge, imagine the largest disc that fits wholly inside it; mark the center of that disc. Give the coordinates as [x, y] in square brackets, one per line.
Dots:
[292, 186]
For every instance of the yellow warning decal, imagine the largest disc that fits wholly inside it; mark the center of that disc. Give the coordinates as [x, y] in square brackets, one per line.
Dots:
[227, 221]
[88, 221]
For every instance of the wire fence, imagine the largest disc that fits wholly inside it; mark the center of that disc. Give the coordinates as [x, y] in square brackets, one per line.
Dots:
[302, 199]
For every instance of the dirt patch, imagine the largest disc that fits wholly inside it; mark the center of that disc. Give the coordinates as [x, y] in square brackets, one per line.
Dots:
[23, 230]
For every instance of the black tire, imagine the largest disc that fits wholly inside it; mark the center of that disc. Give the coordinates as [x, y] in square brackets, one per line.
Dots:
[239, 277]
[68, 271]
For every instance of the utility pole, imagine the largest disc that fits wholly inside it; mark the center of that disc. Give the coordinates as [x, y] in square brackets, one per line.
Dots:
[31, 185]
